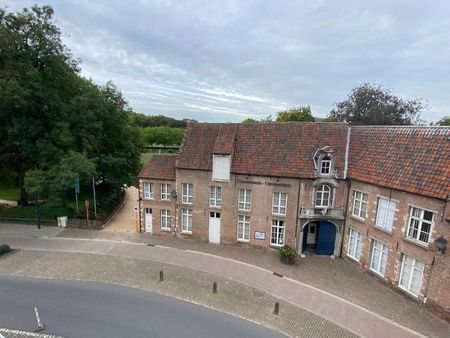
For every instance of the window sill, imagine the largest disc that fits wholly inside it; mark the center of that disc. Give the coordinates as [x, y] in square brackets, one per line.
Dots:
[357, 218]
[416, 242]
[241, 210]
[377, 274]
[166, 230]
[386, 231]
[148, 199]
[185, 203]
[220, 180]
[215, 207]
[353, 258]
[164, 200]
[245, 241]
[407, 292]
[279, 215]
[277, 246]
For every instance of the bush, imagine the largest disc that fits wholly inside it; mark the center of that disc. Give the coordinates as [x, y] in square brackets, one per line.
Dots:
[4, 249]
[287, 251]
[47, 213]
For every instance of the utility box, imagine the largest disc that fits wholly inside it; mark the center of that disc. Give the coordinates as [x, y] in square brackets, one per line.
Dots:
[62, 221]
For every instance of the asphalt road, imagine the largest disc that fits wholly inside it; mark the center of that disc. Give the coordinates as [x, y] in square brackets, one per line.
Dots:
[81, 309]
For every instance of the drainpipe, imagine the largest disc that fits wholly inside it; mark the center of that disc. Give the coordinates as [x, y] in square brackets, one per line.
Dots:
[139, 204]
[297, 220]
[348, 184]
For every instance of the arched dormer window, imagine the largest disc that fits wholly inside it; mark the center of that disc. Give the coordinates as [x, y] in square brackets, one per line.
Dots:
[325, 165]
[323, 196]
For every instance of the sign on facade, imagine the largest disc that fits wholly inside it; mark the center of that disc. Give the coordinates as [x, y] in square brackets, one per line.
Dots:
[260, 235]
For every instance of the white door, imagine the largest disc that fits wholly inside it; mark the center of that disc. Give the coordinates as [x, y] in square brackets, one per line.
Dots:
[214, 227]
[148, 220]
[311, 239]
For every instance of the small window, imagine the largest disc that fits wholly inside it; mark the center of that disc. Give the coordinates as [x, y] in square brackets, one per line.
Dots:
[354, 244]
[165, 219]
[379, 258]
[359, 204]
[186, 220]
[221, 167]
[165, 191]
[187, 193]
[243, 228]
[245, 198]
[325, 165]
[323, 196]
[411, 275]
[279, 203]
[215, 197]
[148, 190]
[419, 225]
[385, 213]
[277, 233]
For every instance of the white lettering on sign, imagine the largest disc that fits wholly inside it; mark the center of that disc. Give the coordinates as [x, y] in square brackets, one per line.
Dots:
[260, 235]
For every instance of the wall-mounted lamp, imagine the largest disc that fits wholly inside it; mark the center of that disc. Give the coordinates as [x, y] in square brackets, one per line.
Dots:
[173, 194]
[441, 244]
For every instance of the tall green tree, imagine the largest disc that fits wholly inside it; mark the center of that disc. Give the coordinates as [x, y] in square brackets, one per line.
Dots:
[445, 121]
[296, 114]
[371, 104]
[55, 125]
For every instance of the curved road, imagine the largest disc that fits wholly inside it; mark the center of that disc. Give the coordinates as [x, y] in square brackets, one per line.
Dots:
[80, 309]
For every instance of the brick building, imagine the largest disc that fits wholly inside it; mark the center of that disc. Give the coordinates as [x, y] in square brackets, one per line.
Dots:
[377, 196]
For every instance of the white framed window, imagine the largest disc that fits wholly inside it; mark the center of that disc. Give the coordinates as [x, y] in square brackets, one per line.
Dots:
[148, 190]
[279, 203]
[325, 165]
[385, 213]
[277, 233]
[323, 196]
[354, 244]
[245, 199]
[378, 262]
[187, 193]
[411, 275]
[420, 224]
[165, 219]
[215, 196]
[165, 191]
[243, 228]
[186, 220]
[221, 167]
[360, 202]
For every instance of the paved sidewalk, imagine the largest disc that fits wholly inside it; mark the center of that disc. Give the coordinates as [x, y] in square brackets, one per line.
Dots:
[190, 285]
[324, 304]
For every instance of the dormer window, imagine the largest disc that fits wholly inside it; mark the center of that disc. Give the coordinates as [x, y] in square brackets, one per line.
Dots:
[221, 167]
[325, 165]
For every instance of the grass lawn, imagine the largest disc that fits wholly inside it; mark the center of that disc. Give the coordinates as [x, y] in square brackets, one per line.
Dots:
[9, 193]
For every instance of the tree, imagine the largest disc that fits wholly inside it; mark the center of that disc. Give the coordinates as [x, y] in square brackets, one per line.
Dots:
[249, 120]
[162, 136]
[445, 121]
[371, 104]
[54, 124]
[296, 114]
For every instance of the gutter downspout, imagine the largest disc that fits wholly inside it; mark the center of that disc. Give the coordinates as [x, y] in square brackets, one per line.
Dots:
[297, 218]
[348, 184]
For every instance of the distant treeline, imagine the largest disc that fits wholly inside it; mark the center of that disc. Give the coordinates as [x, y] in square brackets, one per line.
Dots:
[160, 129]
[148, 121]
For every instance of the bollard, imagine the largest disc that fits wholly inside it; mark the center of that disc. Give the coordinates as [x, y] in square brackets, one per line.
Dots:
[215, 287]
[161, 276]
[276, 311]
[40, 326]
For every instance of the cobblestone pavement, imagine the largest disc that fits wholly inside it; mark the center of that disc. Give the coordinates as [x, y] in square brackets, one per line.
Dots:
[193, 286]
[337, 276]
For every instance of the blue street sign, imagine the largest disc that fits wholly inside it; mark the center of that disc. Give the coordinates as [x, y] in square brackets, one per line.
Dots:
[77, 186]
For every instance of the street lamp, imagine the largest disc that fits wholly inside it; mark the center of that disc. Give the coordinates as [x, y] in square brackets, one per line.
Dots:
[441, 244]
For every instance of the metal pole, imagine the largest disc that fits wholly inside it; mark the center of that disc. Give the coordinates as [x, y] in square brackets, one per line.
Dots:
[76, 201]
[36, 206]
[95, 200]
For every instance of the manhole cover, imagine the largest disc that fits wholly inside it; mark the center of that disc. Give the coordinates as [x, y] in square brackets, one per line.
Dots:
[258, 293]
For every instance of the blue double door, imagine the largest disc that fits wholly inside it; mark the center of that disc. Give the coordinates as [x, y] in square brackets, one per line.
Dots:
[322, 242]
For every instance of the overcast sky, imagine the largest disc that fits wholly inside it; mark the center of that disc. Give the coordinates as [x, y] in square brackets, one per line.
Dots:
[229, 60]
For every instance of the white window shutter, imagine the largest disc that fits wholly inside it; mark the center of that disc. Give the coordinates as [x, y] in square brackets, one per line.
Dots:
[221, 167]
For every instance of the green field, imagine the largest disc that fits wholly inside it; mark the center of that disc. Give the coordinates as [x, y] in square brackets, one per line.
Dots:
[145, 157]
[9, 193]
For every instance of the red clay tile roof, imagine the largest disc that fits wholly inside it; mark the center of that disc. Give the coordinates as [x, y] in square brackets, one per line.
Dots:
[286, 149]
[412, 159]
[160, 167]
[271, 149]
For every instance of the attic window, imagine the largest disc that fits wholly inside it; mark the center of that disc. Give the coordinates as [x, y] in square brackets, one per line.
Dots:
[325, 165]
[221, 167]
